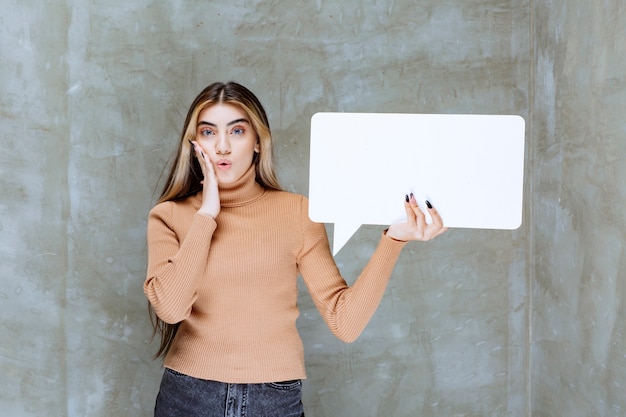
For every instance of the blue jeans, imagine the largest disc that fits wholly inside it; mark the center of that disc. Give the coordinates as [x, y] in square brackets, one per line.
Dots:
[181, 395]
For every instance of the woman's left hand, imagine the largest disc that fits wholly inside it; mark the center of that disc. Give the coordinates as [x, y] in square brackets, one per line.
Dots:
[416, 227]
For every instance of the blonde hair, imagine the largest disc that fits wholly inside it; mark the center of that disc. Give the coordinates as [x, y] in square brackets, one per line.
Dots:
[185, 175]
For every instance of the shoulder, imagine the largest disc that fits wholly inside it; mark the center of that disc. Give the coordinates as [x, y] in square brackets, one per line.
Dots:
[289, 203]
[287, 197]
[170, 209]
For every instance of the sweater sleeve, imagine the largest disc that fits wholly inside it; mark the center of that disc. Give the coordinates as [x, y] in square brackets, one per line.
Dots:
[174, 266]
[345, 309]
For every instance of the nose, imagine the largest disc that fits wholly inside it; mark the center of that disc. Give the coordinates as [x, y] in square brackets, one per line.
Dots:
[222, 146]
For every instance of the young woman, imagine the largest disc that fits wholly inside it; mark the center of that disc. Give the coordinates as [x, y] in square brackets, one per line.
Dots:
[225, 247]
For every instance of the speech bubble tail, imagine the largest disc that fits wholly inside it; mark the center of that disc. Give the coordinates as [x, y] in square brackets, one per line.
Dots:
[342, 233]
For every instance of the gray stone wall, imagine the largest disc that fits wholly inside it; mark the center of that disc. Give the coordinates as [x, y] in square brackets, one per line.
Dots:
[477, 323]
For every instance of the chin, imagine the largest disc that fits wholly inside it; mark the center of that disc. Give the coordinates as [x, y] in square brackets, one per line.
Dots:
[225, 180]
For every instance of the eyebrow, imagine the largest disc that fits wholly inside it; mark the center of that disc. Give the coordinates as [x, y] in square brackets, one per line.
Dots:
[234, 122]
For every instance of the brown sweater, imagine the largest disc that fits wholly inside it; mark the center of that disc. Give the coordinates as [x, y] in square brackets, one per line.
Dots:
[231, 282]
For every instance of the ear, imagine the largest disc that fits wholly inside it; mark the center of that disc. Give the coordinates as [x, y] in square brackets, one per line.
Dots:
[257, 147]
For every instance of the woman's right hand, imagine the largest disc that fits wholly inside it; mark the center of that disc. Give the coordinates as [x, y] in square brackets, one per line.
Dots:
[210, 192]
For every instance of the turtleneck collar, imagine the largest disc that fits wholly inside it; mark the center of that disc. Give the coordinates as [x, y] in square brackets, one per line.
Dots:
[240, 192]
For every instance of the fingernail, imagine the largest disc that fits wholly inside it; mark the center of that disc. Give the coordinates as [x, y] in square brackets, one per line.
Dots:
[428, 204]
[406, 197]
[412, 195]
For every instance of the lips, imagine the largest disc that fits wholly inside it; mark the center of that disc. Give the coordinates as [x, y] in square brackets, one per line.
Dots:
[223, 164]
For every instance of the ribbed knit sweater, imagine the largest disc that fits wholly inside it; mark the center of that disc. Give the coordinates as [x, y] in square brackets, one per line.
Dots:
[232, 283]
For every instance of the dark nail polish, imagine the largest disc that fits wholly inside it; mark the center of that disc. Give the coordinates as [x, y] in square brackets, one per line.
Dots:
[406, 197]
[428, 204]
[412, 195]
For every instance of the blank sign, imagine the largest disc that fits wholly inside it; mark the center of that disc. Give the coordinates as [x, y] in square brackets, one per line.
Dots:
[470, 167]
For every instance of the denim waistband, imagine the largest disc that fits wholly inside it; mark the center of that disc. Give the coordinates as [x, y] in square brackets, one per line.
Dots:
[182, 395]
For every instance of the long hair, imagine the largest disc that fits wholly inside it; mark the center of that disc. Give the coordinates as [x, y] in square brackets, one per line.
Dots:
[185, 176]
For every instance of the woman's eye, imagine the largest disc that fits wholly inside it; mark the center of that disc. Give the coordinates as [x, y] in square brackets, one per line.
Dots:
[238, 131]
[206, 132]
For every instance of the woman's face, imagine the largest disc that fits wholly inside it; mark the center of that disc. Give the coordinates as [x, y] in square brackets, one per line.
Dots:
[226, 135]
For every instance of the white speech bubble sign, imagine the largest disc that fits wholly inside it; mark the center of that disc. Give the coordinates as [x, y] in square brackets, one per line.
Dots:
[470, 167]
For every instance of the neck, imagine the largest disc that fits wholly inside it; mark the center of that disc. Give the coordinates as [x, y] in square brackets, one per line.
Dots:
[242, 191]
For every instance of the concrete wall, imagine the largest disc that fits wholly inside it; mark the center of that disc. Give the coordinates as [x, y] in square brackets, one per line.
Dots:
[579, 188]
[93, 95]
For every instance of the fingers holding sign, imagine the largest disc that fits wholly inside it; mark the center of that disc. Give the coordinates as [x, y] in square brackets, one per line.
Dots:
[416, 226]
